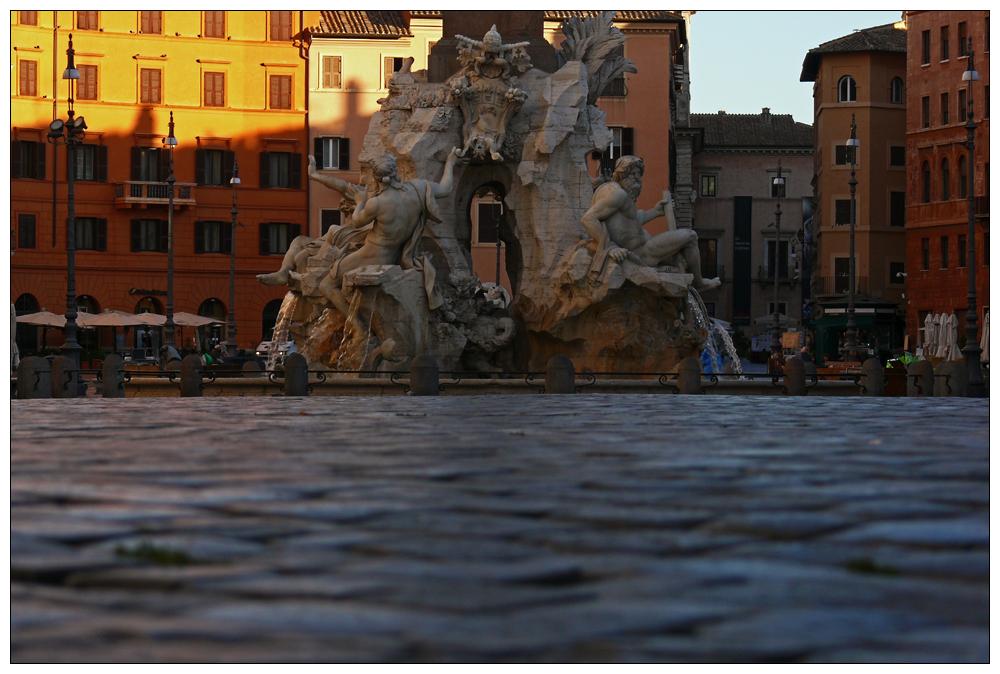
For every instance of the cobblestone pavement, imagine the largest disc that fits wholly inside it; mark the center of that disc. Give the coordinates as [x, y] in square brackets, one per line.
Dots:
[522, 528]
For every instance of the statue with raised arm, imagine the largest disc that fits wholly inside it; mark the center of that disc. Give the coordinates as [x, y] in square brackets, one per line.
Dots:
[617, 225]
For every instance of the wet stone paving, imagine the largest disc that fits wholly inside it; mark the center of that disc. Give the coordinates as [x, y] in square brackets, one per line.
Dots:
[594, 528]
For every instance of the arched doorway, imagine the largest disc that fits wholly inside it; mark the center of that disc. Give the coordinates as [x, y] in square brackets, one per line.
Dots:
[26, 335]
[490, 235]
[146, 337]
[268, 318]
[211, 335]
[87, 337]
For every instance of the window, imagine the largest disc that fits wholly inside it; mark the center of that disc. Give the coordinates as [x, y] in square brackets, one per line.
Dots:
[843, 155]
[925, 112]
[962, 105]
[215, 90]
[29, 78]
[488, 222]
[963, 250]
[782, 259]
[709, 249]
[896, 273]
[86, 20]
[925, 254]
[963, 177]
[149, 236]
[777, 191]
[215, 23]
[25, 231]
[616, 87]
[331, 72]
[86, 86]
[91, 233]
[708, 185]
[925, 39]
[782, 308]
[213, 167]
[29, 18]
[986, 249]
[842, 208]
[281, 169]
[281, 26]
[944, 109]
[944, 252]
[92, 163]
[897, 209]
[842, 275]
[332, 152]
[944, 42]
[945, 180]
[896, 90]
[150, 91]
[963, 40]
[151, 22]
[275, 237]
[281, 92]
[27, 160]
[150, 164]
[213, 237]
[925, 183]
[622, 142]
[847, 90]
[393, 64]
[328, 217]
[897, 155]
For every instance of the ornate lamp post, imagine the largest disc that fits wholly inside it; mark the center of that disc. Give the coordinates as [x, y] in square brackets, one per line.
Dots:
[231, 327]
[850, 343]
[779, 184]
[972, 350]
[70, 133]
[168, 327]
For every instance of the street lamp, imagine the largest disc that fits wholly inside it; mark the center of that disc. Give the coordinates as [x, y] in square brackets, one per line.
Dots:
[779, 184]
[70, 133]
[168, 327]
[850, 343]
[231, 328]
[972, 350]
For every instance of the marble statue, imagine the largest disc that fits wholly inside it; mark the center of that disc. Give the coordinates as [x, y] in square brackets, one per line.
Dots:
[617, 225]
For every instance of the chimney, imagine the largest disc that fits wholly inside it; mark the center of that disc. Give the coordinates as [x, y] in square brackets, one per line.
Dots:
[765, 116]
[722, 112]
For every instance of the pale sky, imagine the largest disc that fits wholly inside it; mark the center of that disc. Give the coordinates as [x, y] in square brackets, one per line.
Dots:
[742, 61]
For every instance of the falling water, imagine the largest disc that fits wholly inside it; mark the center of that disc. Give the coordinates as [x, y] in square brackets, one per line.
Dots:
[280, 334]
[347, 357]
[703, 321]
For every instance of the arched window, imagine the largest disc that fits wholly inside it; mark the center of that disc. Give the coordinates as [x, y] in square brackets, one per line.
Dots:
[925, 183]
[963, 178]
[896, 90]
[268, 318]
[945, 180]
[87, 338]
[87, 304]
[27, 335]
[148, 305]
[212, 334]
[847, 90]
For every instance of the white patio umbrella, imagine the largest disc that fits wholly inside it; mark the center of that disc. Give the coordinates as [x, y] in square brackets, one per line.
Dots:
[46, 319]
[109, 319]
[951, 334]
[15, 357]
[928, 341]
[984, 341]
[195, 321]
[942, 334]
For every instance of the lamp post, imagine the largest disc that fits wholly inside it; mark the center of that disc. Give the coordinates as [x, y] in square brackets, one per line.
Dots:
[70, 133]
[850, 343]
[231, 328]
[779, 184]
[972, 350]
[168, 326]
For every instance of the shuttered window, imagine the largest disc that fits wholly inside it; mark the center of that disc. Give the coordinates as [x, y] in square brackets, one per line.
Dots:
[281, 169]
[29, 18]
[281, 92]
[331, 72]
[25, 231]
[215, 23]
[275, 237]
[29, 78]
[150, 85]
[91, 233]
[215, 90]
[86, 20]
[281, 25]
[149, 236]
[393, 64]
[86, 86]
[27, 159]
[151, 22]
[622, 143]
[213, 237]
[214, 167]
[332, 152]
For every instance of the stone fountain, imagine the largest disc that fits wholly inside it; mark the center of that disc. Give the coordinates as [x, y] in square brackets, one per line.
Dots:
[587, 282]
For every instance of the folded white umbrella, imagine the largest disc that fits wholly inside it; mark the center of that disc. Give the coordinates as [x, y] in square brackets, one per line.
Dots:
[984, 341]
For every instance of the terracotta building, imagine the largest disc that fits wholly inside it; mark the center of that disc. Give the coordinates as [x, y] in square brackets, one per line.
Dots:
[735, 163]
[235, 82]
[861, 75]
[937, 210]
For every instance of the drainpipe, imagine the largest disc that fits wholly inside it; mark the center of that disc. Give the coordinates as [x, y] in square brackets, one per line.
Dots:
[304, 55]
[55, 115]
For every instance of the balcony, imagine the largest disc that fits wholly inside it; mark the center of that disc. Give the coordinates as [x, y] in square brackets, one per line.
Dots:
[841, 285]
[765, 275]
[983, 207]
[135, 193]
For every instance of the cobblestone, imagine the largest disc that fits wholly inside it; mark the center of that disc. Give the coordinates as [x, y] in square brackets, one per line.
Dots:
[592, 528]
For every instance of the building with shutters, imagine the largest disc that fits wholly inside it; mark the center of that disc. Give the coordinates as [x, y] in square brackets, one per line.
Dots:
[235, 82]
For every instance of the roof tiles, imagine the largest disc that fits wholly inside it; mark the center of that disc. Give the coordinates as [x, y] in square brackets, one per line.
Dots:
[761, 130]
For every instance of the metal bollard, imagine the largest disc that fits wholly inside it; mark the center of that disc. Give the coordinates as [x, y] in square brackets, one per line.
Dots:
[113, 377]
[795, 377]
[956, 383]
[920, 379]
[872, 378]
[296, 375]
[63, 380]
[425, 378]
[560, 375]
[191, 377]
[689, 376]
[251, 369]
[34, 378]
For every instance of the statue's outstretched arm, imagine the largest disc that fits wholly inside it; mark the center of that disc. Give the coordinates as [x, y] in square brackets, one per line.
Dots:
[333, 183]
[443, 188]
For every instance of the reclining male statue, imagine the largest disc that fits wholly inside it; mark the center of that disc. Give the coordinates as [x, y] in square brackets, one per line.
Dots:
[617, 225]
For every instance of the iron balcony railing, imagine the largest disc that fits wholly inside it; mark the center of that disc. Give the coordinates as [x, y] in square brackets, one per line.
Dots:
[841, 285]
[138, 192]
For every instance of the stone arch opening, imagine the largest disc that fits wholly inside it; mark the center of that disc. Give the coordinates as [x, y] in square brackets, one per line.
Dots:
[268, 318]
